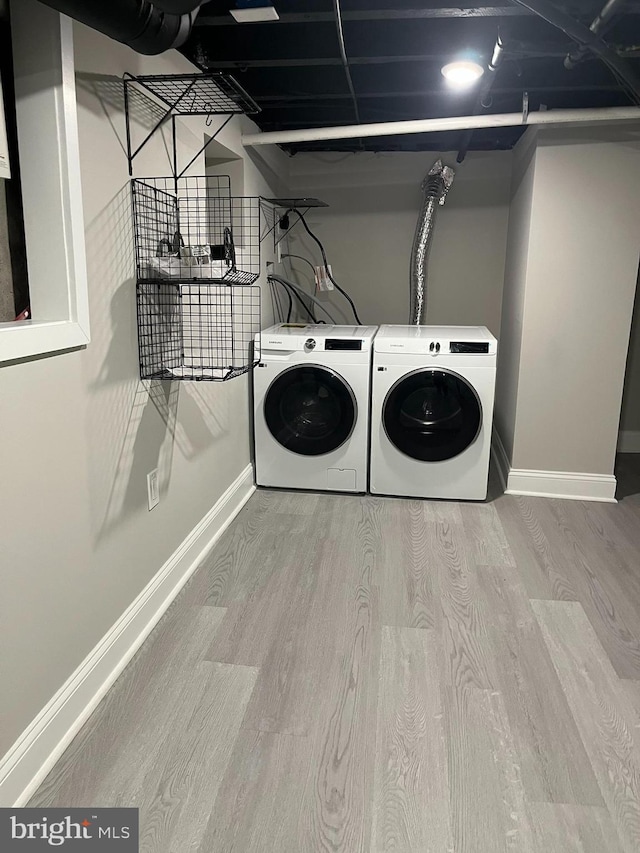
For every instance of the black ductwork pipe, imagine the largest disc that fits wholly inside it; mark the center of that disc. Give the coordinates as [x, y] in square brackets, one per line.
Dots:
[485, 88]
[599, 25]
[178, 7]
[589, 40]
[139, 24]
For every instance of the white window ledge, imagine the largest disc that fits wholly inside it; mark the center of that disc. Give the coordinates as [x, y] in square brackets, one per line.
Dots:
[51, 190]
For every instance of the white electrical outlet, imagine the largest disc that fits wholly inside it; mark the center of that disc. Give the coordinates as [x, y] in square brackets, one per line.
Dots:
[153, 490]
[323, 278]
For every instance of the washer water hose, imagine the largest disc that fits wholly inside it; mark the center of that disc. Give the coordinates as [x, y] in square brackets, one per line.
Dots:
[435, 188]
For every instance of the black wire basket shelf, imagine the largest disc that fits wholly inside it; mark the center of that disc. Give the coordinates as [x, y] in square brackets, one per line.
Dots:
[197, 331]
[193, 229]
[211, 93]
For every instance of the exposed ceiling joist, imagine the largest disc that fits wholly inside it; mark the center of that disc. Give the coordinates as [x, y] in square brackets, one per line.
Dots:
[377, 15]
[336, 60]
[510, 11]
[395, 55]
[323, 60]
[425, 93]
[304, 61]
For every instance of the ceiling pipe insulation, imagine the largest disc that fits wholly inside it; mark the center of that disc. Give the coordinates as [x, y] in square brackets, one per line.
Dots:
[436, 125]
[149, 28]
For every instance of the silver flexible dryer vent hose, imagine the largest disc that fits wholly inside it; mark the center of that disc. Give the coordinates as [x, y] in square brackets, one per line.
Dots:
[435, 187]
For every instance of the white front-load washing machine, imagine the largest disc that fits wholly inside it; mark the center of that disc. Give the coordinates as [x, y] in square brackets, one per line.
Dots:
[432, 411]
[311, 392]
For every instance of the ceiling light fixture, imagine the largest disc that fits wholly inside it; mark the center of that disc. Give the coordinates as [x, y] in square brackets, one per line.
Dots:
[462, 73]
[254, 12]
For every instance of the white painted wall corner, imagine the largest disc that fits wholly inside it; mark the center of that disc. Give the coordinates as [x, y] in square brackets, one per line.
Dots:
[566, 485]
[501, 459]
[30, 759]
[629, 441]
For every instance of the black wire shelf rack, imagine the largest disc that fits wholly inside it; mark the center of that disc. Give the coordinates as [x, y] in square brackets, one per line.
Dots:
[213, 93]
[197, 331]
[193, 229]
[210, 94]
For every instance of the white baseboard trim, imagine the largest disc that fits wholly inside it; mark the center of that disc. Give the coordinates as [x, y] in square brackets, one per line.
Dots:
[629, 441]
[551, 484]
[501, 459]
[35, 752]
[562, 484]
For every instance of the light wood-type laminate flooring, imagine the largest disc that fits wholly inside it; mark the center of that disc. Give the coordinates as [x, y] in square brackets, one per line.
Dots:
[375, 674]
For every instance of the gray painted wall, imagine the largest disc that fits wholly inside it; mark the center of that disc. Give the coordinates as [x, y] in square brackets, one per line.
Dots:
[515, 278]
[581, 265]
[368, 232]
[630, 416]
[7, 308]
[80, 431]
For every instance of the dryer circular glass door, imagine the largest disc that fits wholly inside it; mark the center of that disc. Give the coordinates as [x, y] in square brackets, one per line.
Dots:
[310, 410]
[432, 415]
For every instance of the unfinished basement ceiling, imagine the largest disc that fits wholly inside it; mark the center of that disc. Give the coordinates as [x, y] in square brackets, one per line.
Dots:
[395, 50]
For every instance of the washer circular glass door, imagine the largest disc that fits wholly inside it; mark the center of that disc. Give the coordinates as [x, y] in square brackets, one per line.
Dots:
[310, 410]
[432, 415]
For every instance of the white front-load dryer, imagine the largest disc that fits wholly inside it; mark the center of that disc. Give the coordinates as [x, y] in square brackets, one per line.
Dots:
[432, 411]
[311, 391]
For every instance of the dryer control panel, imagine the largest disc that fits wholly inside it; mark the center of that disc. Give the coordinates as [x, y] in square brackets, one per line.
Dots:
[436, 340]
[468, 347]
[445, 347]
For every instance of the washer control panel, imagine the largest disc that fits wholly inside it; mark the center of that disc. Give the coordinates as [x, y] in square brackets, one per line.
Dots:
[334, 345]
[343, 344]
[315, 338]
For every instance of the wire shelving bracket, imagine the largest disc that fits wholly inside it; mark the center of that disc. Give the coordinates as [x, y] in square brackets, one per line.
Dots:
[271, 219]
[210, 94]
